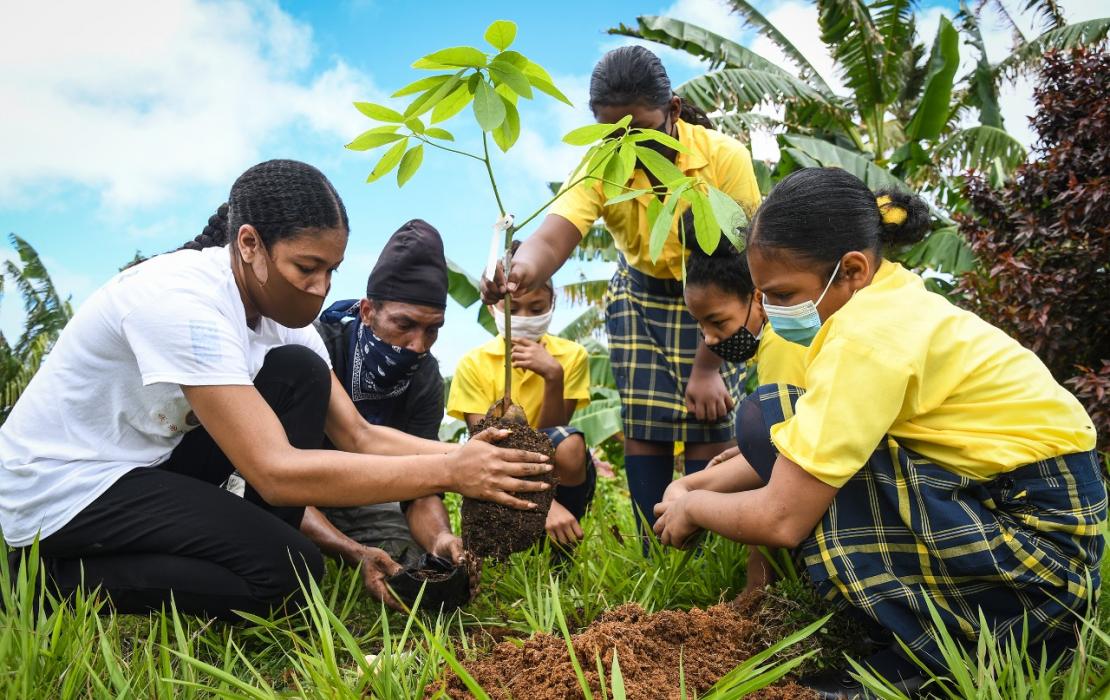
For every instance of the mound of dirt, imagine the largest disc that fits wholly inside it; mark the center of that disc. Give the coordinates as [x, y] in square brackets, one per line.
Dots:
[710, 643]
[494, 531]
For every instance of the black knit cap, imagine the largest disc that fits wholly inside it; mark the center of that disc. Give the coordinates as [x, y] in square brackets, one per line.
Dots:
[411, 268]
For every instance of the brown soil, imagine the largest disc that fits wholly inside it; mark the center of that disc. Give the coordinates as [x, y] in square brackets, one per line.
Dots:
[710, 642]
[432, 575]
[494, 531]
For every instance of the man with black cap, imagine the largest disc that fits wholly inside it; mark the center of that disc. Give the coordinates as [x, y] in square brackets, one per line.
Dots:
[379, 348]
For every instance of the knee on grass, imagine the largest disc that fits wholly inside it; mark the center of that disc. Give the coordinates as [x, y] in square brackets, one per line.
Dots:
[570, 460]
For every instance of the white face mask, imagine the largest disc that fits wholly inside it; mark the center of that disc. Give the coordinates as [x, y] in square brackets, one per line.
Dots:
[528, 327]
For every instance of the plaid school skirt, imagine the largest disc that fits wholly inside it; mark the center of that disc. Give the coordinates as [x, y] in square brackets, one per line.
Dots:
[1025, 545]
[652, 341]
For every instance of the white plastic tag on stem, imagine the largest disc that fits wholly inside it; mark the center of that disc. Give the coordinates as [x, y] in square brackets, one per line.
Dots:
[497, 245]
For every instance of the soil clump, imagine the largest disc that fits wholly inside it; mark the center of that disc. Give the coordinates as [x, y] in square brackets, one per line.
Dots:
[493, 531]
[710, 643]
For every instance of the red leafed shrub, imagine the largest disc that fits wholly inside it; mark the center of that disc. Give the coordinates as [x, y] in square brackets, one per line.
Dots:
[1043, 239]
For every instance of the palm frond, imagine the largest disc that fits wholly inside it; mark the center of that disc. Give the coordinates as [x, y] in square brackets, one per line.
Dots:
[982, 91]
[739, 125]
[737, 90]
[857, 46]
[755, 19]
[1064, 38]
[896, 24]
[1003, 13]
[979, 148]
[585, 291]
[813, 152]
[1048, 11]
[585, 325]
[16, 381]
[696, 41]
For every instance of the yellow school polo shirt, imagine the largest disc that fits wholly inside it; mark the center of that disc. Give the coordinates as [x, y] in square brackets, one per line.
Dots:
[480, 379]
[778, 361]
[900, 360]
[720, 160]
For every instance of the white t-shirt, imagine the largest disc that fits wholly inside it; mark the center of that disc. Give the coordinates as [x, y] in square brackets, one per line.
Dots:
[108, 398]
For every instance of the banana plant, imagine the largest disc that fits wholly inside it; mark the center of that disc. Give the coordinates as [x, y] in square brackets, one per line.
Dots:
[493, 83]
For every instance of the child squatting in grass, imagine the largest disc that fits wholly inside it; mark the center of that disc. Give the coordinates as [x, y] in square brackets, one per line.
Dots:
[551, 379]
[930, 458]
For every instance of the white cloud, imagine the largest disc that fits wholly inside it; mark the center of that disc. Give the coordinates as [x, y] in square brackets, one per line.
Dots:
[138, 100]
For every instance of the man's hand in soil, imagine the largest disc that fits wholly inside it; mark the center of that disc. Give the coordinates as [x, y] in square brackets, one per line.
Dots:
[674, 526]
[377, 567]
[449, 546]
[724, 456]
[530, 355]
[707, 396]
[562, 526]
[483, 471]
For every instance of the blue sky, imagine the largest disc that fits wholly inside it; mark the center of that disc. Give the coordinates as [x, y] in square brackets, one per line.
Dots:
[125, 123]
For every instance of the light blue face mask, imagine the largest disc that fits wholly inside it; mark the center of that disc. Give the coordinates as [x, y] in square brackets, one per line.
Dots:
[798, 323]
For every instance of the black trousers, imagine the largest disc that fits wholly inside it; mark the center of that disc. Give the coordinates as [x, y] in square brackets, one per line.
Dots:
[171, 530]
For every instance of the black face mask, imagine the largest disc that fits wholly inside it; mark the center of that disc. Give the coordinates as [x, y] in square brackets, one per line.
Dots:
[740, 346]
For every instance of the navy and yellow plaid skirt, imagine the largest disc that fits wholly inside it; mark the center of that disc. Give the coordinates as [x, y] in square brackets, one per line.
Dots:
[1025, 545]
[652, 341]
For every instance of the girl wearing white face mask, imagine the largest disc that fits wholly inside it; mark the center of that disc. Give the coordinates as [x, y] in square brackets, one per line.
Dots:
[551, 379]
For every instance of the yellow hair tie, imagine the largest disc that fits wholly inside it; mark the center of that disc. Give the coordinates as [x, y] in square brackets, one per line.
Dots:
[891, 212]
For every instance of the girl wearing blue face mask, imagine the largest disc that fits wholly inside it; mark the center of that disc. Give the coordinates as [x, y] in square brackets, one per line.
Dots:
[930, 457]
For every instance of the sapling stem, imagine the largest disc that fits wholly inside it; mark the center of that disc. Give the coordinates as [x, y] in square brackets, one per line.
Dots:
[508, 311]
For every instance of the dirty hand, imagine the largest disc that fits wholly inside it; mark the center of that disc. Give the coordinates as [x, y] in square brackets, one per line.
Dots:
[707, 397]
[530, 355]
[522, 278]
[724, 456]
[449, 546]
[488, 473]
[377, 567]
[674, 527]
[562, 526]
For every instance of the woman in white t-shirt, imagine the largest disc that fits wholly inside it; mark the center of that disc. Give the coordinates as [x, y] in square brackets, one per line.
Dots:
[191, 365]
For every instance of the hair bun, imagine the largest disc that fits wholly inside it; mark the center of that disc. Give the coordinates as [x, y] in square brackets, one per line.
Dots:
[905, 216]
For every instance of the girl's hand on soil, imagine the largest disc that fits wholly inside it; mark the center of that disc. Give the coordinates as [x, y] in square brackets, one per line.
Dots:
[377, 567]
[706, 396]
[562, 526]
[522, 278]
[674, 527]
[530, 355]
[481, 470]
[724, 456]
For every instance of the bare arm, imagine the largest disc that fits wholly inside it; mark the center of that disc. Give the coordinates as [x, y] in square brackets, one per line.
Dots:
[537, 259]
[376, 565]
[553, 413]
[781, 514]
[431, 527]
[350, 432]
[249, 433]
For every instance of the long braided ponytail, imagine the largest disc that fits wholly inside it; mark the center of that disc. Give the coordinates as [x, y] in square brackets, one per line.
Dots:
[280, 198]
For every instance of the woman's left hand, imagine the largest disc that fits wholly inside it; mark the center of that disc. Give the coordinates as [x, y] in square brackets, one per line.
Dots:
[674, 526]
[707, 396]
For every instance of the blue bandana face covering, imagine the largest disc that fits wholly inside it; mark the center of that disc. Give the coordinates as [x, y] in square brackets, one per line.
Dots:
[380, 370]
[798, 323]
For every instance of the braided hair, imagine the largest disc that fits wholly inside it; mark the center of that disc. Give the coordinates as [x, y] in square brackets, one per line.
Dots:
[280, 199]
[632, 75]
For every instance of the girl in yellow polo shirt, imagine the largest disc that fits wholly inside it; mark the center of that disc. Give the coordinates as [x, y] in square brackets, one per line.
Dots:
[930, 457]
[671, 387]
[551, 379]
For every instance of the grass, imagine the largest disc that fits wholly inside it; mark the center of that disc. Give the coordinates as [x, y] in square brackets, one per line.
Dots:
[321, 652]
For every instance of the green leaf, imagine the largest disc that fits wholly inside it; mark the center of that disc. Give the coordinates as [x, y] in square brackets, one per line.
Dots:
[485, 320]
[382, 114]
[661, 227]
[509, 131]
[489, 109]
[729, 215]
[388, 161]
[642, 135]
[618, 678]
[591, 133]
[409, 164]
[510, 75]
[706, 229]
[830, 155]
[452, 104]
[618, 171]
[454, 57]
[600, 420]
[433, 96]
[625, 196]
[421, 85]
[663, 169]
[461, 286]
[437, 133]
[518, 60]
[977, 147]
[933, 109]
[540, 80]
[501, 34]
[374, 138]
[415, 125]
